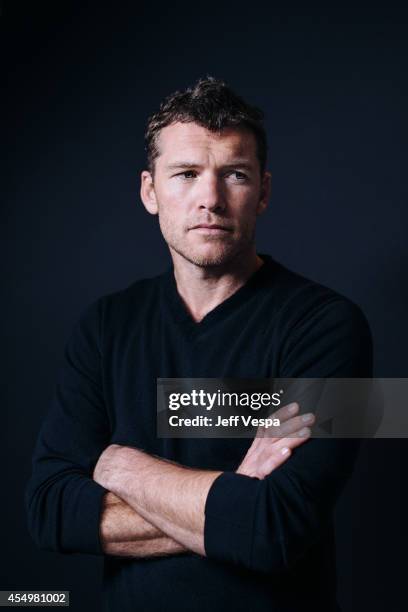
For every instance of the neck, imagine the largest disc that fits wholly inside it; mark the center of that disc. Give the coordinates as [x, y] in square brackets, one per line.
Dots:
[203, 288]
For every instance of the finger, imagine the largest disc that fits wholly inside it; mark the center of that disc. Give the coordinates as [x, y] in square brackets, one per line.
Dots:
[294, 425]
[293, 441]
[274, 462]
[286, 412]
[282, 450]
[289, 428]
[283, 414]
[270, 448]
[260, 434]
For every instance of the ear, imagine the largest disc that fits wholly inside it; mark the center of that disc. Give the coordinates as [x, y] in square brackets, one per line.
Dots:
[147, 192]
[265, 193]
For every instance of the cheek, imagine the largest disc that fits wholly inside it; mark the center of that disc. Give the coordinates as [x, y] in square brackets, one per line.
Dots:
[171, 218]
[247, 208]
[173, 198]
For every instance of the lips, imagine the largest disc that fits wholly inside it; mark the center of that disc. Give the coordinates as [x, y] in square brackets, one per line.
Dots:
[211, 226]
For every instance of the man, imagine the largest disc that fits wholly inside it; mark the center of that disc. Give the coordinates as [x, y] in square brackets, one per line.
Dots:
[200, 524]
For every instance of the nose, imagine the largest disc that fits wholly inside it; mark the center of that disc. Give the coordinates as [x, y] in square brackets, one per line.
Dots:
[210, 195]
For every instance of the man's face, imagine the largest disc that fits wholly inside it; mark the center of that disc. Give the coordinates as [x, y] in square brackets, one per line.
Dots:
[207, 192]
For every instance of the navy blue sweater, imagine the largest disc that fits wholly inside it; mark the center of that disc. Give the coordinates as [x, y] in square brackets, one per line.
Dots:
[269, 543]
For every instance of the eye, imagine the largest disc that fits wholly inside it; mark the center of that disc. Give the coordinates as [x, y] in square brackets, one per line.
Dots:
[187, 174]
[239, 176]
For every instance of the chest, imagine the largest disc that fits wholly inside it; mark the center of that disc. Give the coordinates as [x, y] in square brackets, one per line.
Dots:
[164, 350]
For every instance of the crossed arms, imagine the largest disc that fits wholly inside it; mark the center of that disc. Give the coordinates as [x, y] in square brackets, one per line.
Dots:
[157, 507]
[88, 496]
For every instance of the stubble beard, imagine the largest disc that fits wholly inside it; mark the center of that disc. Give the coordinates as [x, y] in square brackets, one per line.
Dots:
[229, 251]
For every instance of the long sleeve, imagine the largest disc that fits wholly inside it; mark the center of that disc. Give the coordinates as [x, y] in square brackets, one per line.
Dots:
[63, 503]
[267, 525]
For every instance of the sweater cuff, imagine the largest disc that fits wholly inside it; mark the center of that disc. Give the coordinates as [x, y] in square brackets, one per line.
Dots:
[229, 518]
[81, 532]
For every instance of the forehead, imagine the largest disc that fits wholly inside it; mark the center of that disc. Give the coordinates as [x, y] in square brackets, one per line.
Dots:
[181, 139]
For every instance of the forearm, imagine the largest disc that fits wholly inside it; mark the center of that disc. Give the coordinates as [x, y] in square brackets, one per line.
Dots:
[169, 496]
[155, 547]
[124, 532]
[163, 499]
[120, 523]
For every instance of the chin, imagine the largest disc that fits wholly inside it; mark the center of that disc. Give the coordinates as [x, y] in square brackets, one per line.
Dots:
[209, 261]
[209, 257]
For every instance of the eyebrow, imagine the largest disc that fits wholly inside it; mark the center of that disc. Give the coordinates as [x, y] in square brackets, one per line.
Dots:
[188, 164]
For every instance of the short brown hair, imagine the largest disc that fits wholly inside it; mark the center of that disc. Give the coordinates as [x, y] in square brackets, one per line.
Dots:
[211, 104]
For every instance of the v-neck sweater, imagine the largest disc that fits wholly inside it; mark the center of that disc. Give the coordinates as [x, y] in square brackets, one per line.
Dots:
[269, 543]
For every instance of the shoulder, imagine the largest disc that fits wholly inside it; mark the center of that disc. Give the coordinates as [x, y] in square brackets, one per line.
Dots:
[118, 309]
[318, 325]
[303, 300]
[132, 300]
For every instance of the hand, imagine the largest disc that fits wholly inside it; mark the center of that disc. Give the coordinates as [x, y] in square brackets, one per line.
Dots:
[266, 453]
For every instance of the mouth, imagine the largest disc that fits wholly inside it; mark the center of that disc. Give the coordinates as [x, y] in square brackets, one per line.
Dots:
[211, 228]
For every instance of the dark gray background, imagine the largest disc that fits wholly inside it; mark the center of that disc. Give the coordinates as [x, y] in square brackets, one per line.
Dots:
[80, 83]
